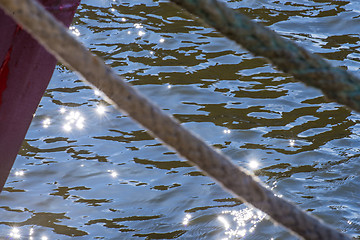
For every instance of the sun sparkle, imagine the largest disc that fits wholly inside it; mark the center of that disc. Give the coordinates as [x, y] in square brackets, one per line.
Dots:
[46, 122]
[224, 222]
[113, 173]
[74, 31]
[254, 164]
[101, 109]
[15, 233]
[138, 25]
[62, 110]
[19, 173]
[74, 120]
[186, 219]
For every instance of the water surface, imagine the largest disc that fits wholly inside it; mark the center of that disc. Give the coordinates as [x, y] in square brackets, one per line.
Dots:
[86, 171]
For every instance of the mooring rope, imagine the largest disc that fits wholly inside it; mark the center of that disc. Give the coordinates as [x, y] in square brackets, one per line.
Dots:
[337, 84]
[243, 184]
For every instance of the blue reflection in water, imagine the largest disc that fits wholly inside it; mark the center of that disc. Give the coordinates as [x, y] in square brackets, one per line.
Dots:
[87, 171]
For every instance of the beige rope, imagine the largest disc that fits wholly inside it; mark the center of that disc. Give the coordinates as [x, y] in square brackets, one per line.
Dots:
[55, 37]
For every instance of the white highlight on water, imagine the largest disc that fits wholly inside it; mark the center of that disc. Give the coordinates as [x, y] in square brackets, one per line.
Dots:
[46, 122]
[224, 222]
[113, 173]
[245, 221]
[15, 233]
[62, 110]
[186, 219]
[253, 164]
[74, 31]
[138, 25]
[100, 109]
[74, 120]
[19, 173]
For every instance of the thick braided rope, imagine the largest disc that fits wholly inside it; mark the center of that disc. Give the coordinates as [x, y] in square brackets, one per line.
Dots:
[55, 37]
[336, 83]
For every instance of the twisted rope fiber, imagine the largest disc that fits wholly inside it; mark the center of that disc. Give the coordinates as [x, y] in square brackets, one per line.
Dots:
[55, 37]
[337, 84]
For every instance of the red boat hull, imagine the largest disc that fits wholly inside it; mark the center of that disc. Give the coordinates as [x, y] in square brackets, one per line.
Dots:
[25, 71]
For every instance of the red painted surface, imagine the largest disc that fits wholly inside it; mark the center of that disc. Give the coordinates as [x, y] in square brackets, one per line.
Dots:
[4, 73]
[4, 69]
[26, 69]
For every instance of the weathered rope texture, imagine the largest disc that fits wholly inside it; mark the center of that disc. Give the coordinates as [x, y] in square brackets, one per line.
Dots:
[55, 37]
[336, 83]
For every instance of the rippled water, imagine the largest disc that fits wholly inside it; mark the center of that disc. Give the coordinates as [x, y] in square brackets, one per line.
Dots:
[86, 171]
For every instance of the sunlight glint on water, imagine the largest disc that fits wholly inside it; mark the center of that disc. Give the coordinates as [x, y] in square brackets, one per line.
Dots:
[15, 233]
[245, 222]
[101, 109]
[186, 219]
[74, 120]
[295, 141]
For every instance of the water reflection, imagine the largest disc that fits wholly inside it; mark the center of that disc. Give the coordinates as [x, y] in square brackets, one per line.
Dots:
[97, 92]
[232, 99]
[224, 222]
[113, 173]
[15, 233]
[74, 31]
[253, 164]
[62, 110]
[227, 131]
[243, 221]
[138, 25]
[19, 173]
[74, 120]
[46, 122]
[101, 109]
[141, 33]
[186, 219]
